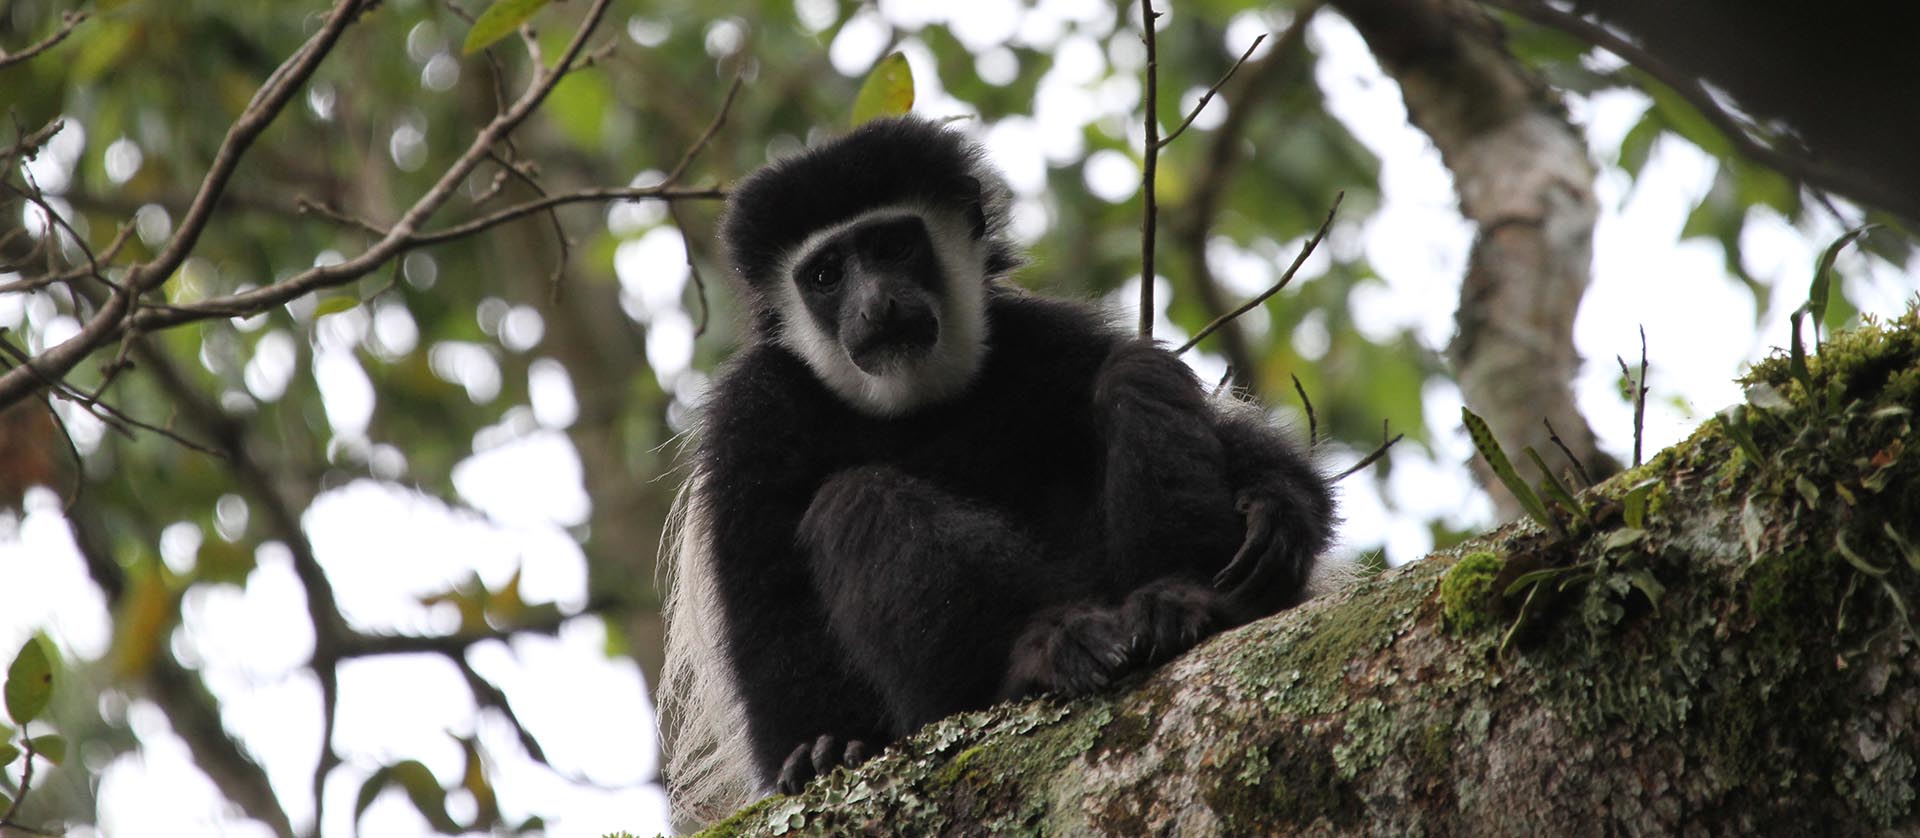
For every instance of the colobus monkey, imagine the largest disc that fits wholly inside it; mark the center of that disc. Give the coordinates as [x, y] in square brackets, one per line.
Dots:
[918, 490]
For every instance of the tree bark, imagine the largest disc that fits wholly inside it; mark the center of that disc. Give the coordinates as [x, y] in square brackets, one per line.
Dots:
[1723, 650]
[1523, 178]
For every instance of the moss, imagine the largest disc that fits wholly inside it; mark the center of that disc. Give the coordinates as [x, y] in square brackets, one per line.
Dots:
[1466, 594]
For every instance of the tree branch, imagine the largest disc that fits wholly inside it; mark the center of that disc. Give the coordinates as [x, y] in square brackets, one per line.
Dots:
[1799, 168]
[267, 103]
[68, 20]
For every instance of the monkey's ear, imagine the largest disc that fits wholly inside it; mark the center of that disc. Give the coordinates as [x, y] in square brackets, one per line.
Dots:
[976, 204]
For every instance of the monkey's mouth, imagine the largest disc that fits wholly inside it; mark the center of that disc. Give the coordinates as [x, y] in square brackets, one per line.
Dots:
[880, 348]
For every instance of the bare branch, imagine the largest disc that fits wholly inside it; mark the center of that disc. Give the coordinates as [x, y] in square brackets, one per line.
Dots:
[693, 271]
[1639, 394]
[1285, 278]
[117, 314]
[1371, 457]
[68, 20]
[1223, 156]
[1579, 469]
[1208, 96]
[719, 119]
[1313, 422]
[267, 103]
[1148, 169]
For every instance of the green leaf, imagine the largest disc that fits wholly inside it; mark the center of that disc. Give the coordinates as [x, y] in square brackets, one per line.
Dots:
[369, 790]
[499, 21]
[1820, 290]
[888, 90]
[335, 304]
[1637, 145]
[1621, 539]
[1797, 358]
[1556, 489]
[1634, 509]
[1503, 468]
[53, 746]
[1648, 585]
[29, 682]
[8, 753]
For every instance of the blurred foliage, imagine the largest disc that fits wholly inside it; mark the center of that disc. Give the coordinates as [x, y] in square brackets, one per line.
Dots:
[149, 89]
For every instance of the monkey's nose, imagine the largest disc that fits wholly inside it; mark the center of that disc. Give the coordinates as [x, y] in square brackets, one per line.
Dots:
[880, 311]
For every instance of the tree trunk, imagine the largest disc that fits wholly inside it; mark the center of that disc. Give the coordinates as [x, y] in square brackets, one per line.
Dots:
[1524, 180]
[1724, 650]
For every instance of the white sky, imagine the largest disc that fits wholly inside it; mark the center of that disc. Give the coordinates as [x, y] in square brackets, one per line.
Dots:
[384, 546]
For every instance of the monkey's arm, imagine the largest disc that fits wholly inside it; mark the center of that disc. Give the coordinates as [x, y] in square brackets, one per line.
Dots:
[758, 475]
[1288, 507]
[1166, 504]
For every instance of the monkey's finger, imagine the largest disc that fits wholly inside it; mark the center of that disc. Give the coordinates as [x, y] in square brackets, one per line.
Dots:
[856, 753]
[826, 755]
[796, 771]
[1252, 549]
[1275, 578]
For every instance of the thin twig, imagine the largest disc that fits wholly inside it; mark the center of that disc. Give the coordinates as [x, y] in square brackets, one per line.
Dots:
[1285, 278]
[1313, 422]
[1579, 470]
[79, 465]
[1208, 96]
[1640, 400]
[112, 416]
[29, 145]
[1148, 170]
[267, 103]
[302, 205]
[1225, 150]
[488, 694]
[693, 271]
[1371, 457]
[1639, 394]
[518, 211]
[525, 174]
[713, 128]
[26, 785]
[1226, 379]
[68, 20]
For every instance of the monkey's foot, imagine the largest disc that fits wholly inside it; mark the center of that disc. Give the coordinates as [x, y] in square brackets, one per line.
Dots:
[818, 758]
[1171, 616]
[1073, 651]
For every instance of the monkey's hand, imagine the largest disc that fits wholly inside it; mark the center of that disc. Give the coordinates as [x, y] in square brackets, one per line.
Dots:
[1171, 616]
[818, 758]
[1072, 650]
[1270, 570]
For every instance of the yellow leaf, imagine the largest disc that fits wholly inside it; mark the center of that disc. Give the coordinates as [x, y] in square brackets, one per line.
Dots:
[888, 90]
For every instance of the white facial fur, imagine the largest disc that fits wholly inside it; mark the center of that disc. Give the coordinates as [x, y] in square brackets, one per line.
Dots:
[946, 369]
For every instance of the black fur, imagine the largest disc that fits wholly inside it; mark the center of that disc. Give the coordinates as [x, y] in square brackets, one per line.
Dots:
[1074, 514]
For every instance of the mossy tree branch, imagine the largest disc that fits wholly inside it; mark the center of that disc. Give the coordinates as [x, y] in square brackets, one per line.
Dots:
[1725, 648]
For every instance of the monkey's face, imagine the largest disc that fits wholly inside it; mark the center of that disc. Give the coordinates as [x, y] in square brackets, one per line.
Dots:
[876, 289]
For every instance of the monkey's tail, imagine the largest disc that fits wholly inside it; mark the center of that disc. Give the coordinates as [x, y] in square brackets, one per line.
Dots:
[708, 769]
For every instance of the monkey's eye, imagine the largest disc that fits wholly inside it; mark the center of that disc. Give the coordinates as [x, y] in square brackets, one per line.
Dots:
[824, 274]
